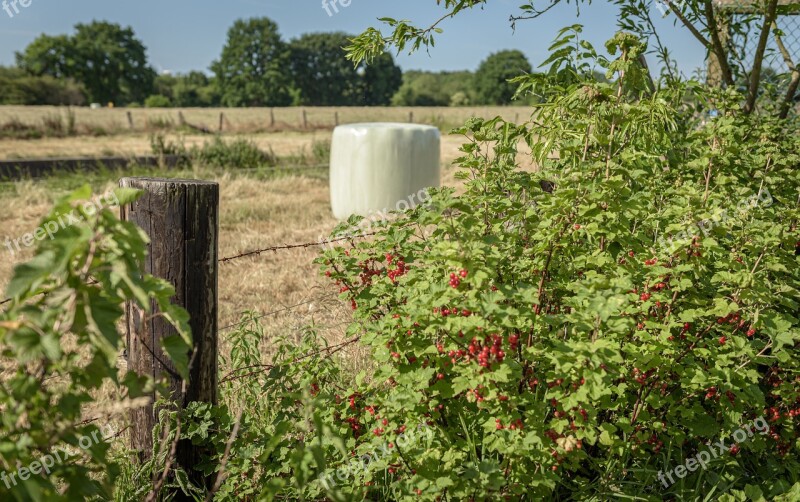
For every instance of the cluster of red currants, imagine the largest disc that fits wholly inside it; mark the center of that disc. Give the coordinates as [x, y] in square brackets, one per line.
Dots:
[455, 280]
[490, 349]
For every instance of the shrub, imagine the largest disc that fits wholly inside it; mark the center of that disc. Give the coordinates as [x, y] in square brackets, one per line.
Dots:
[59, 342]
[157, 101]
[238, 153]
[562, 347]
[588, 331]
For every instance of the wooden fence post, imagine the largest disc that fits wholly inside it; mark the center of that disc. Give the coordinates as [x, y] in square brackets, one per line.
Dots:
[272, 117]
[336, 118]
[130, 120]
[305, 119]
[221, 120]
[411, 117]
[181, 217]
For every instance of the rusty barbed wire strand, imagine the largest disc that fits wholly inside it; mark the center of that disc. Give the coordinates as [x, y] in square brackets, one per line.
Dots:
[257, 252]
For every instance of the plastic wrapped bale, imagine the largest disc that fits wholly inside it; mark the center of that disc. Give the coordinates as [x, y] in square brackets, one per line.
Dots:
[380, 167]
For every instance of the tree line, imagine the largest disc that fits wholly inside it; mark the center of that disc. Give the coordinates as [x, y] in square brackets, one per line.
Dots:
[104, 62]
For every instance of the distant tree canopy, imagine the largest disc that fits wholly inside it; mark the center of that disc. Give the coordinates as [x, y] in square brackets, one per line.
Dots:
[109, 61]
[253, 67]
[321, 74]
[20, 88]
[323, 77]
[421, 88]
[492, 85]
[194, 89]
[382, 79]
[104, 62]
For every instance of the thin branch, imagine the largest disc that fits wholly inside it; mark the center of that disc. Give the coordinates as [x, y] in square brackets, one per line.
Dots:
[699, 36]
[788, 100]
[716, 44]
[755, 75]
[224, 462]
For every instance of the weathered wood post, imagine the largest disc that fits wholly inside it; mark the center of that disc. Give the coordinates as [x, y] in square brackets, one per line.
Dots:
[305, 119]
[181, 217]
[130, 120]
[271, 117]
[336, 118]
[221, 120]
[411, 117]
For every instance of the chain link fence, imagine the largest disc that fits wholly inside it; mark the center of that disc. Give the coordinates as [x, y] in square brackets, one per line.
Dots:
[745, 22]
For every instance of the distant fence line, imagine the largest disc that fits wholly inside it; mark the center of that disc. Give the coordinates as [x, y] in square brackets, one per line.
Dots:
[68, 121]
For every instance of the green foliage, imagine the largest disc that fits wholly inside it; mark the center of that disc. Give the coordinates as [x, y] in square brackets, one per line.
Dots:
[157, 101]
[252, 70]
[274, 428]
[19, 88]
[60, 335]
[321, 73]
[108, 61]
[237, 153]
[324, 78]
[493, 84]
[193, 89]
[540, 325]
[381, 79]
[421, 88]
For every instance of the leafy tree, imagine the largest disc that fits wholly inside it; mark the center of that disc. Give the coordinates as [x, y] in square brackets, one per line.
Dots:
[108, 60]
[321, 73]
[195, 89]
[492, 80]
[47, 55]
[253, 67]
[381, 80]
[323, 77]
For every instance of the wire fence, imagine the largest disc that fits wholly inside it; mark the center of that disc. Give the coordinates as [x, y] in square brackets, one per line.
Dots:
[747, 20]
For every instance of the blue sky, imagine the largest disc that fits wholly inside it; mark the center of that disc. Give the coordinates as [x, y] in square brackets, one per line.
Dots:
[183, 35]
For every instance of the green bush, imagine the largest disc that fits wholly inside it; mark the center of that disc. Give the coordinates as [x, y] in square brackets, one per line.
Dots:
[582, 331]
[588, 331]
[59, 342]
[238, 153]
[157, 101]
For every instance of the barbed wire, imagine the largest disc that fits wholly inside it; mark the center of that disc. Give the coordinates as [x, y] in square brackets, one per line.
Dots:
[257, 252]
